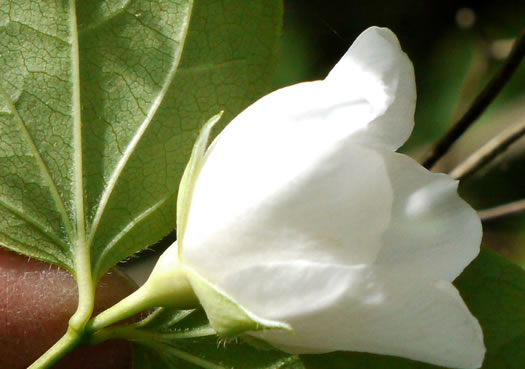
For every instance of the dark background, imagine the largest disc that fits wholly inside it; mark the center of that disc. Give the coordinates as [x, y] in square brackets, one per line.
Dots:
[455, 47]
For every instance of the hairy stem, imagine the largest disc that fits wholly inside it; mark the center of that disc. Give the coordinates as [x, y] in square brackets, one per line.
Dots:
[126, 308]
[86, 288]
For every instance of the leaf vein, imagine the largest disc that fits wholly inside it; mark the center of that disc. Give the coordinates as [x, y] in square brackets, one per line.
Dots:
[56, 38]
[47, 231]
[151, 28]
[44, 170]
[41, 251]
[104, 20]
[112, 182]
[205, 67]
[137, 220]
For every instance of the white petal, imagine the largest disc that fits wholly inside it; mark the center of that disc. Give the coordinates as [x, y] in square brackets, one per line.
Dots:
[282, 202]
[273, 173]
[361, 308]
[433, 232]
[376, 70]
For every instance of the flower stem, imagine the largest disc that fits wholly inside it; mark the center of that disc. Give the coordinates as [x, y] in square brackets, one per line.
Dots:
[135, 303]
[166, 286]
[61, 348]
[482, 101]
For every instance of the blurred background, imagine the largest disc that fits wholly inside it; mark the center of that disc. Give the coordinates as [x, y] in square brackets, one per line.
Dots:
[455, 48]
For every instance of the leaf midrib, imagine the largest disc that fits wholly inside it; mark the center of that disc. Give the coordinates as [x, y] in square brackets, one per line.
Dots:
[78, 179]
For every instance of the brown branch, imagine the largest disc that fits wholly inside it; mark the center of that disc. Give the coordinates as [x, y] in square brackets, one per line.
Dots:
[489, 151]
[501, 211]
[482, 101]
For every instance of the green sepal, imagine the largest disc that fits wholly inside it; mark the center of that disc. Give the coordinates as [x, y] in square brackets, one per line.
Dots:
[182, 339]
[191, 172]
[227, 317]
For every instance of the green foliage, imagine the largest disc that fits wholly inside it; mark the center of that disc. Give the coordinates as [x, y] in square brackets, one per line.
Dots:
[100, 102]
[183, 340]
[235, 356]
[494, 290]
[98, 114]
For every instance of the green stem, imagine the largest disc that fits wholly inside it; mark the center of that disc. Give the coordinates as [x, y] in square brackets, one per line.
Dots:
[75, 332]
[111, 333]
[135, 303]
[61, 348]
[86, 299]
[86, 288]
[167, 286]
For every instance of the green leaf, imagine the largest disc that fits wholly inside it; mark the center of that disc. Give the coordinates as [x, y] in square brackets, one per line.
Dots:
[236, 355]
[494, 290]
[99, 111]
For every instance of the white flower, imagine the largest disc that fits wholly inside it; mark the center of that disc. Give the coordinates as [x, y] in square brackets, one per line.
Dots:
[301, 216]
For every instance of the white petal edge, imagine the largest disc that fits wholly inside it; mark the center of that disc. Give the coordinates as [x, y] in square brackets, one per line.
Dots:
[361, 308]
[433, 232]
[376, 70]
[266, 152]
[331, 206]
[226, 316]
